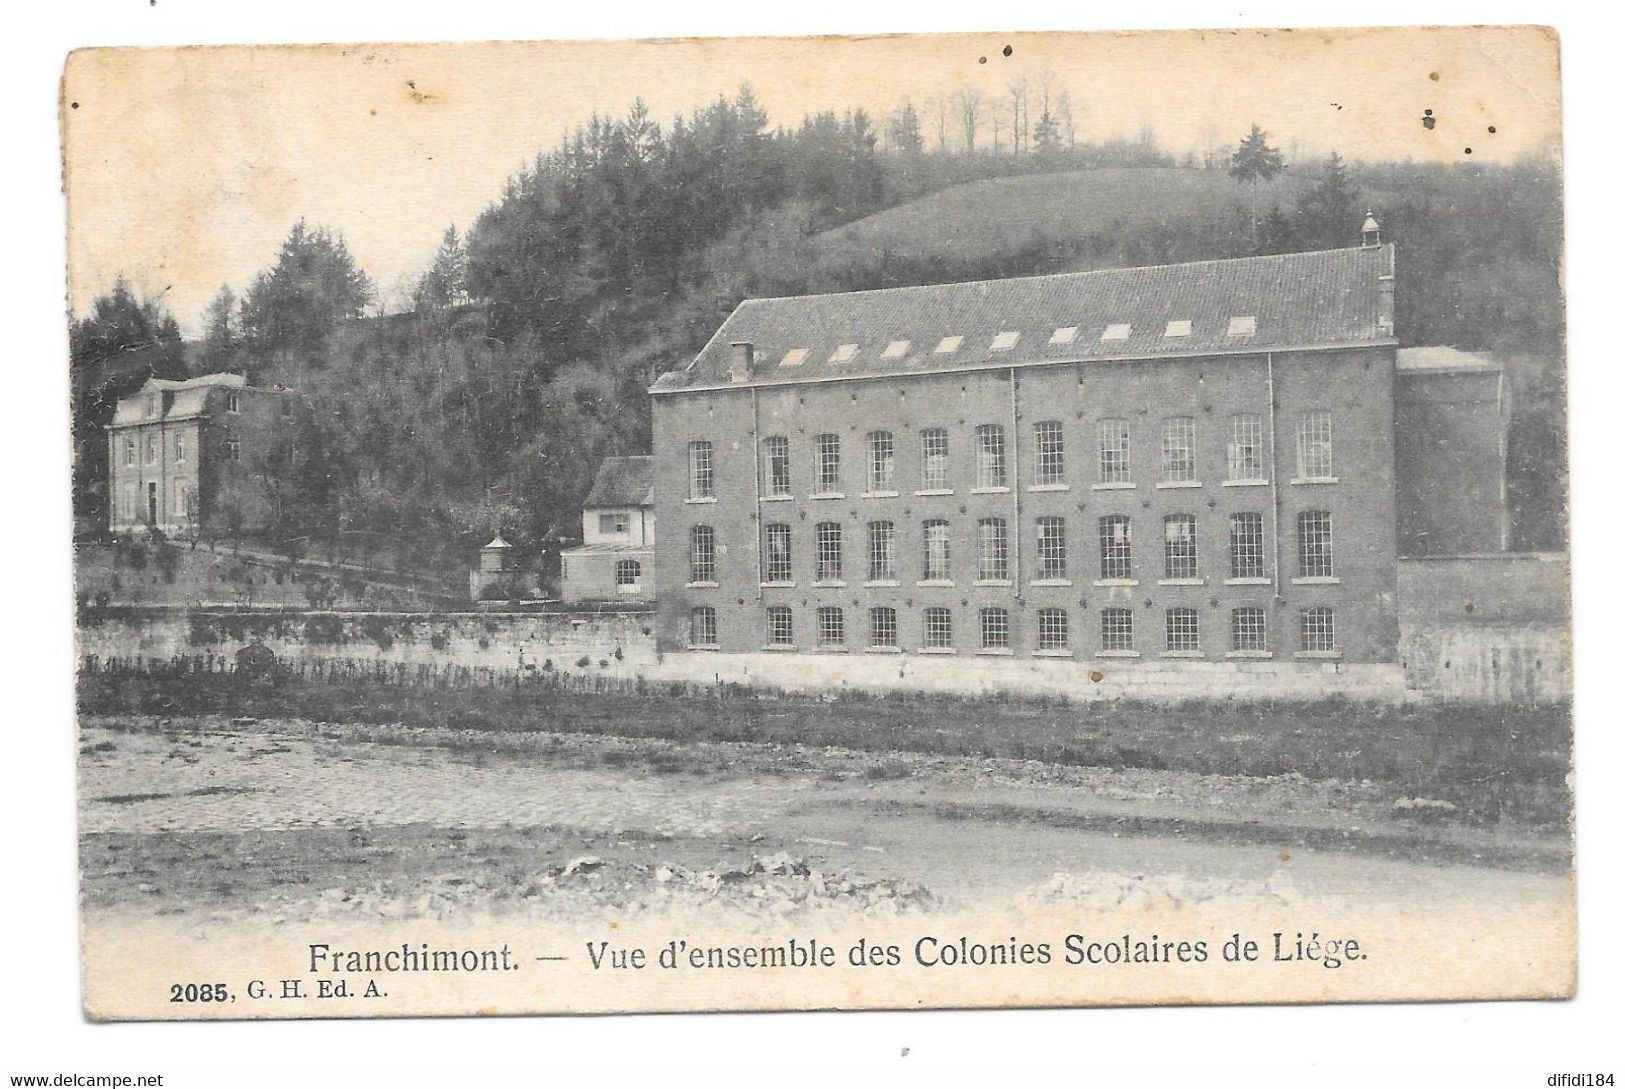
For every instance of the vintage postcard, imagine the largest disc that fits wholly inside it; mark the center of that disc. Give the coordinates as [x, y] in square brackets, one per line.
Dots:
[978, 520]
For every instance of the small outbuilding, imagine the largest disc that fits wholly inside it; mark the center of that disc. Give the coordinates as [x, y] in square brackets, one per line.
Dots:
[615, 561]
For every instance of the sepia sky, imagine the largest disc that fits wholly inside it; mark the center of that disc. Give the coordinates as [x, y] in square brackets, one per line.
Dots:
[184, 168]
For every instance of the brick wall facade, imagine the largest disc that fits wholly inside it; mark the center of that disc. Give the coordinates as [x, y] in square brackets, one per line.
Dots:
[1451, 454]
[1356, 388]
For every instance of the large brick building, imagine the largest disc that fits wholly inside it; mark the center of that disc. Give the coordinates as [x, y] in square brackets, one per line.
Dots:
[199, 454]
[1190, 461]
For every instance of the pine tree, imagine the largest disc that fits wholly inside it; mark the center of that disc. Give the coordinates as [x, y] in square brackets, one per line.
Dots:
[1252, 163]
[314, 285]
[222, 333]
[1329, 213]
[445, 285]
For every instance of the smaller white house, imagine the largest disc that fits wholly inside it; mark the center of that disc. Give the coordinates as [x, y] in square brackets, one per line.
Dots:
[615, 560]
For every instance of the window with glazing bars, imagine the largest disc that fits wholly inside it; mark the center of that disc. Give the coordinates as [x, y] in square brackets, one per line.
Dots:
[1053, 633]
[781, 626]
[933, 459]
[1246, 448]
[995, 625]
[152, 451]
[1315, 444]
[1115, 547]
[827, 470]
[628, 572]
[882, 626]
[1315, 544]
[702, 554]
[1246, 546]
[1052, 547]
[882, 552]
[776, 553]
[701, 483]
[831, 626]
[1049, 452]
[777, 450]
[1247, 628]
[129, 452]
[1178, 449]
[939, 628]
[1179, 546]
[1117, 629]
[827, 535]
[702, 626]
[1180, 629]
[1114, 452]
[882, 461]
[990, 465]
[936, 550]
[1317, 630]
[992, 549]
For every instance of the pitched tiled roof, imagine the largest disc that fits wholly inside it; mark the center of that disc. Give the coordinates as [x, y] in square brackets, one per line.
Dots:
[1295, 300]
[623, 482]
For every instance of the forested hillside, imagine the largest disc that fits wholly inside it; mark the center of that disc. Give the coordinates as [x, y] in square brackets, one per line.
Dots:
[535, 333]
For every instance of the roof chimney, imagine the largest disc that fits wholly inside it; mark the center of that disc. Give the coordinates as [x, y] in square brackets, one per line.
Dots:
[740, 359]
[1370, 232]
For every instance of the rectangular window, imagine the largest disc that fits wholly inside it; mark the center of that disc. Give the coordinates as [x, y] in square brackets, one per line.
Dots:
[939, 628]
[882, 627]
[781, 626]
[1247, 546]
[831, 626]
[234, 402]
[152, 450]
[1245, 453]
[995, 626]
[179, 513]
[1181, 629]
[129, 452]
[234, 449]
[1315, 544]
[882, 552]
[702, 626]
[933, 459]
[1179, 546]
[1114, 452]
[1053, 631]
[702, 554]
[614, 522]
[701, 483]
[1247, 629]
[1052, 547]
[1049, 445]
[936, 551]
[1116, 629]
[1178, 449]
[627, 574]
[882, 461]
[1315, 444]
[827, 471]
[1317, 630]
[992, 549]
[180, 449]
[828, 538]
[990, 464]
[776, 553]
[1116, 559]
[777, 449]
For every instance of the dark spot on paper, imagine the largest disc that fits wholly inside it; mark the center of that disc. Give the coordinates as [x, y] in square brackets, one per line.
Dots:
[1492, 130]
[1428, 120]
[73, 105]
[1434, 76]
[1096, 675]
[1285, 857]
[1467, 151]
[981, 60]
[1008, 50]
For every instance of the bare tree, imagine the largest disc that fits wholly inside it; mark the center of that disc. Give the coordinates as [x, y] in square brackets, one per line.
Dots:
[1069, 124]
[969, 101]
[937, 110]
[1018, 107]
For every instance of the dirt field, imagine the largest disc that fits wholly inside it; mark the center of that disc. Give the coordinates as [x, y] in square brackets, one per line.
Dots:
[217, 818]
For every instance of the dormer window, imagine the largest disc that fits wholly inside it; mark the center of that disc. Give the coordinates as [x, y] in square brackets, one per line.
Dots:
[149, 408]
[615, 522]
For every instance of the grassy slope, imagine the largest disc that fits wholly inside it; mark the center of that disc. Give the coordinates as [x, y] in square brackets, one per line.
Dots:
[999, 214]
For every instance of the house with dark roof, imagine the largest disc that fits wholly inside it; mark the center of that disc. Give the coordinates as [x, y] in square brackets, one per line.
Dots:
[614, 562]
[197, 455]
